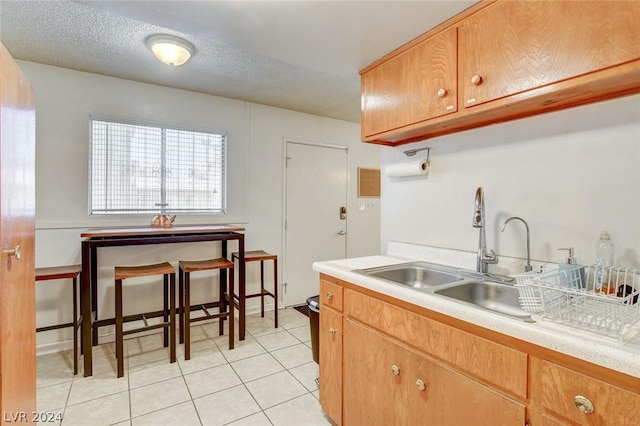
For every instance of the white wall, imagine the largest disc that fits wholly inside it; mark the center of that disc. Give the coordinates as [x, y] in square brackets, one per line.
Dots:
[64, 100]
[569, 174]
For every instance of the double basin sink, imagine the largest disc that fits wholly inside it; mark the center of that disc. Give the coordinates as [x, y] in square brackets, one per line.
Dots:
[490, 293]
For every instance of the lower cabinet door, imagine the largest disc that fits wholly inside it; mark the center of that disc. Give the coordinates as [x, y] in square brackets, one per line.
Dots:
[330, 352]
[582, 399]
[540, 419]
[375, 371]
[388, 384]
[441, 396]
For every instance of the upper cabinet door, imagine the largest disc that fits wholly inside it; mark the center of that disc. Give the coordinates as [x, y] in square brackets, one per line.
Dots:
[511, 47]
[413, 86]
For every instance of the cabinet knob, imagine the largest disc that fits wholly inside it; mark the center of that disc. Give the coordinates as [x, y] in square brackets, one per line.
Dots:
[442, 93]
[420, 384]
[15, 252]
[583, 404]
[476, 80]
[332, 331]
[395, 369]
[329, 295]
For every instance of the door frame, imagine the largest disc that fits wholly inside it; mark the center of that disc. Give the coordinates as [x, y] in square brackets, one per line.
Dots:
[283, 225]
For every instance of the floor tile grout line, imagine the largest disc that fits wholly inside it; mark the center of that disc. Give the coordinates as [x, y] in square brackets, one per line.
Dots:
[219, 348]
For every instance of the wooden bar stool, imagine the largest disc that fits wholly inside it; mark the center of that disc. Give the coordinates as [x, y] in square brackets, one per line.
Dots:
[58, 273]
[261, 256]
[169, 312]
[185, 268]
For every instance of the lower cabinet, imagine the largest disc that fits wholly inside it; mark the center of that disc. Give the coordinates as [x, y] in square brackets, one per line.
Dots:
[383, 363]
[388, 384]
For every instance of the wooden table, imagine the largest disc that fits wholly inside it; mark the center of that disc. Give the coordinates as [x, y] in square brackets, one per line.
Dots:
[134, 236]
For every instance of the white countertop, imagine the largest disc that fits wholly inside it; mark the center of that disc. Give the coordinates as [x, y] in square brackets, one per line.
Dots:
[607, 352]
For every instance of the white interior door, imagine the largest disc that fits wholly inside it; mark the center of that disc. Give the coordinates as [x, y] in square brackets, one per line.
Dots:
[315, 230]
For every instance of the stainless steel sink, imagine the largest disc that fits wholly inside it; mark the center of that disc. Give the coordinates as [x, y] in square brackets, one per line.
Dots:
[483, 291]
[417, 275]
[487, 295]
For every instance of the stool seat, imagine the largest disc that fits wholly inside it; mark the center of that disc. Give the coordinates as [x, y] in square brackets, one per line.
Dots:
[225, 310]
[205, 265]
[58, 273]
[169, 310]
[260, 256]
[254, 255]
[123, 272]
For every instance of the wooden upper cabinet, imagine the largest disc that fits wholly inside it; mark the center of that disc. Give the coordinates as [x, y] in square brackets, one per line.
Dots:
[415, 85]
[509, 60]
[514, 46]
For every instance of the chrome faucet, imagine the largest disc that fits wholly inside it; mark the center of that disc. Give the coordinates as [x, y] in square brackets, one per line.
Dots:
[484, 258]
[526, 225]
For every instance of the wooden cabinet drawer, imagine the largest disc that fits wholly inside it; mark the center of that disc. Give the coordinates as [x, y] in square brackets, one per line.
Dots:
[499, 365]
[331, 295]
[555, 389]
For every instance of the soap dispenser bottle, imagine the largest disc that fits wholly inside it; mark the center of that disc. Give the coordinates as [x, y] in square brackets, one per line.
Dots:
[574, 274]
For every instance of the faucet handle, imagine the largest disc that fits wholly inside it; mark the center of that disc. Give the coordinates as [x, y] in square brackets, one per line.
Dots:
[491, 257]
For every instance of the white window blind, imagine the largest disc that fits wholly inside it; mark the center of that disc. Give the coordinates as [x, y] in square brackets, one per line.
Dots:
[142, 169]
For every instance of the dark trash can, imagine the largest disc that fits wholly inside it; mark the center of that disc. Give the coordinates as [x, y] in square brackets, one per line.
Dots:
[314, 319]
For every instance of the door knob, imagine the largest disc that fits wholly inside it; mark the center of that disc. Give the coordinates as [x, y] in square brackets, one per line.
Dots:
[15, 252]
[332, 331]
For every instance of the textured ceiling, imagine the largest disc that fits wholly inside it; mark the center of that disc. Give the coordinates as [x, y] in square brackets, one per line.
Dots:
[298, 55]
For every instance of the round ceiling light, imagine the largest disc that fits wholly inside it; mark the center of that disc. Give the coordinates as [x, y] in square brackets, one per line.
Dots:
[170, 49]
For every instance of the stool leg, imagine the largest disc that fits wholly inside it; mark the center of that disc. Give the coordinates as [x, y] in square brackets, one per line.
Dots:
[172, 317]
[275, 291]
[181, 302]
[93, 284]
[222, 288]
[119, 335]
[165, 310]
[231, 315]
[187, 316]
[262, 288]
[75, 326]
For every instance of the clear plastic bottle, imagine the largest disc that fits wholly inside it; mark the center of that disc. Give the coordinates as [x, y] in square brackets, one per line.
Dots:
[605, 249]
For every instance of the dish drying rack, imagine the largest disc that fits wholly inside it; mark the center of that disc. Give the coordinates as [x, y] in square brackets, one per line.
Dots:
[574, 295]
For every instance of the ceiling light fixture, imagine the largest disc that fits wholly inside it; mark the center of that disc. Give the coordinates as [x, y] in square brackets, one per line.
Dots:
[170, 49]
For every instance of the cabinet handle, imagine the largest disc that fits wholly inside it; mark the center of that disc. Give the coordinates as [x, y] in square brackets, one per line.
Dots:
[420, 384]
[395, 369]
[332, 331]
[329, 295]
[442, 93]
[476, 80]
[15, 252]
[583, 404]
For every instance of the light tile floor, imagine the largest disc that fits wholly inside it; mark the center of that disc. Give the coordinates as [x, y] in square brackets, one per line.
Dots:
[267, 379]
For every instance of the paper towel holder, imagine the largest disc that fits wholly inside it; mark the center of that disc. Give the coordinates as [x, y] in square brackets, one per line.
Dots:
[412, 152]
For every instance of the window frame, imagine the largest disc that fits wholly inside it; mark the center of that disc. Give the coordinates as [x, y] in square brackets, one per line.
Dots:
[160, 209]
